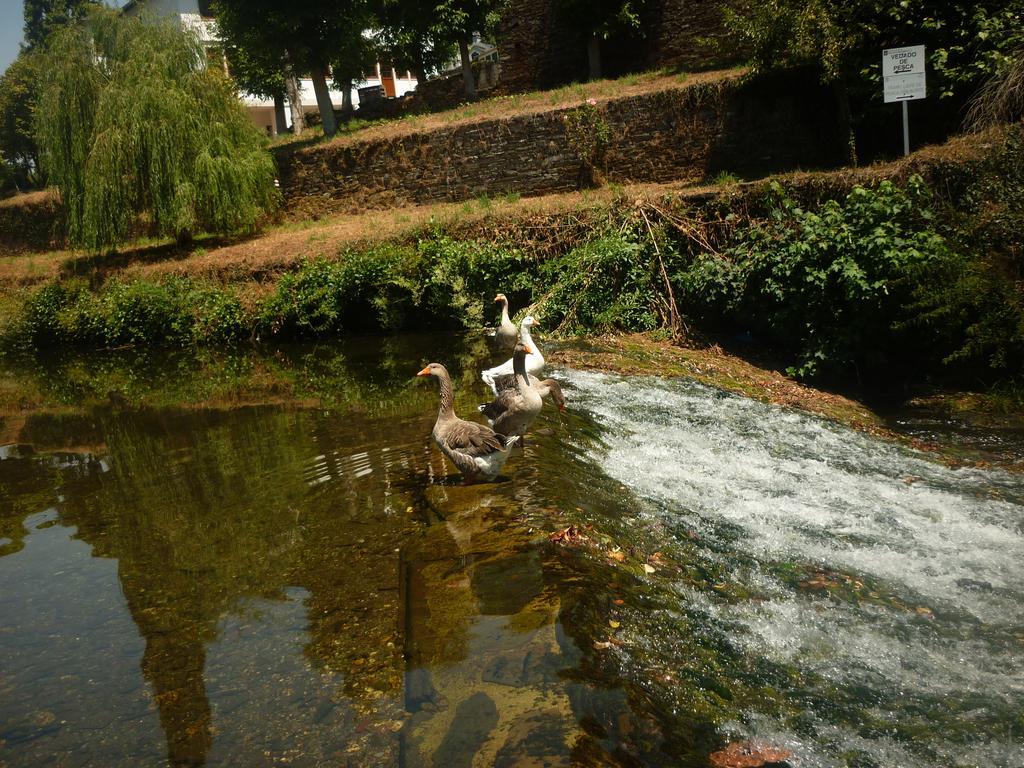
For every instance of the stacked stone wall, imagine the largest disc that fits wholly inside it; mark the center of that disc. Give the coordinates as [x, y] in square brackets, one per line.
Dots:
[685, 134]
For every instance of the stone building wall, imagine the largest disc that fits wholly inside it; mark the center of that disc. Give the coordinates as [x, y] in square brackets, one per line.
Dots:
[689, 35]
[538, 49]
[685, 134]
[541, 48]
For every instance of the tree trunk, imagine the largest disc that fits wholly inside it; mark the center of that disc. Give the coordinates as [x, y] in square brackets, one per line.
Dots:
[291, 84]
[594, 56]
[323, 101]
[468, 80]
[842, 96]
[346, 101]
[280, 124]
[420, 73]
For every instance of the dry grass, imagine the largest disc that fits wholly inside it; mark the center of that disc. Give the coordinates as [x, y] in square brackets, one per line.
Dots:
[281, 248]
[29, 198]
[505, 107]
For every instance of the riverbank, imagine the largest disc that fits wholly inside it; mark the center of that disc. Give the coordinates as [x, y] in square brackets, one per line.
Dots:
[898, 276]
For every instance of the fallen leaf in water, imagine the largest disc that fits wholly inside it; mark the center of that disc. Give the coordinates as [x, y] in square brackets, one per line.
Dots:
[742, 754]
[614, 624]
[648, 568]
[819, 582]
[910, 479]
[619, 601]
[602, 645]
[571, 535]
[617, 555]
[926, 612]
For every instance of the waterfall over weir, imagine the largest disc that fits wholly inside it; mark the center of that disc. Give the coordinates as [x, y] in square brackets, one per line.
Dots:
[891, 584]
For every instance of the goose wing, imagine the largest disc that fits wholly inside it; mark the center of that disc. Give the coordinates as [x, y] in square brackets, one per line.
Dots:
[466, 441]
[473, 439]
[499, 405]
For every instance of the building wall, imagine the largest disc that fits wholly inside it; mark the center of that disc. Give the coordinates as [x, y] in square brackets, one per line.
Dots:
[538, 47]
[541, 47]
[687, 134]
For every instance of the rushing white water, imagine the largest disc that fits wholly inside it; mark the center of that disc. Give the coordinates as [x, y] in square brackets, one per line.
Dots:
[768, 485]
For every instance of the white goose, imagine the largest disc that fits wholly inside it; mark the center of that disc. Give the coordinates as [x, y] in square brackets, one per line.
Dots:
[534, 360]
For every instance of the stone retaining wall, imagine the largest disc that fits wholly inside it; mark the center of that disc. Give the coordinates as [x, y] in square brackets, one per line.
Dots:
[688, 134]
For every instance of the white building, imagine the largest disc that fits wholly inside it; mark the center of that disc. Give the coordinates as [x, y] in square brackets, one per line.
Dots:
[196, 15]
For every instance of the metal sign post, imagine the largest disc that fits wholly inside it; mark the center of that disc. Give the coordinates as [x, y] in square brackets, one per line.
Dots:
[903, 79]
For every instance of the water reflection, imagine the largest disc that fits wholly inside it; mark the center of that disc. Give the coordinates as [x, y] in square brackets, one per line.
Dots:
[302, 582]
[251, 559]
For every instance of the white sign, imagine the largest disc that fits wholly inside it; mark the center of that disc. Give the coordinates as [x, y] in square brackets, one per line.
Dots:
[903, 73]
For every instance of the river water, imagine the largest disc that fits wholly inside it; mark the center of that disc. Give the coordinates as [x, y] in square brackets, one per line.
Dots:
[260, 559]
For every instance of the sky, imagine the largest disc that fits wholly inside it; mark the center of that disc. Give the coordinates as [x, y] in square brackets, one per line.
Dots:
[12, 24]
[12, 21]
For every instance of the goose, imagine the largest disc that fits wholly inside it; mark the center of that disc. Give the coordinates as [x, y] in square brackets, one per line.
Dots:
[516, 407]
[506, 334]
[534, 359]
[544, 388]
[477, 451]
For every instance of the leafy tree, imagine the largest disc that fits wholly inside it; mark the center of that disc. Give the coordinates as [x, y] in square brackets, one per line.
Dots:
[421, 35]
[259, 80]
[260, 73]
[843, 39]
[132, 125]
[407, 36]
[357, 51]
[44, 17]
[457, 20]
[602, 19]
[17, 104]
[7, 181]
[306, 35]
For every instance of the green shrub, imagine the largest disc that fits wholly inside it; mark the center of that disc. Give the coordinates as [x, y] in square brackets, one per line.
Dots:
[140, 312]
[176, 312]
[974, 303]
[40, 318]
[589, 136]
[605, 284]
[833, 285]
[218, 317]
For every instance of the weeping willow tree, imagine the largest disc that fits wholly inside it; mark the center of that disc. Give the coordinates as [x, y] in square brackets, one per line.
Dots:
[137, 132]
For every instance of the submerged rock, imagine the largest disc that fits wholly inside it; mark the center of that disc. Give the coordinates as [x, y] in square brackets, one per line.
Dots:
[475, 718]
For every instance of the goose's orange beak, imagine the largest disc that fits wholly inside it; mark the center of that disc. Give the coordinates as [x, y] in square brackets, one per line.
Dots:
[424, 372]
[529, 349]
[536, 322]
